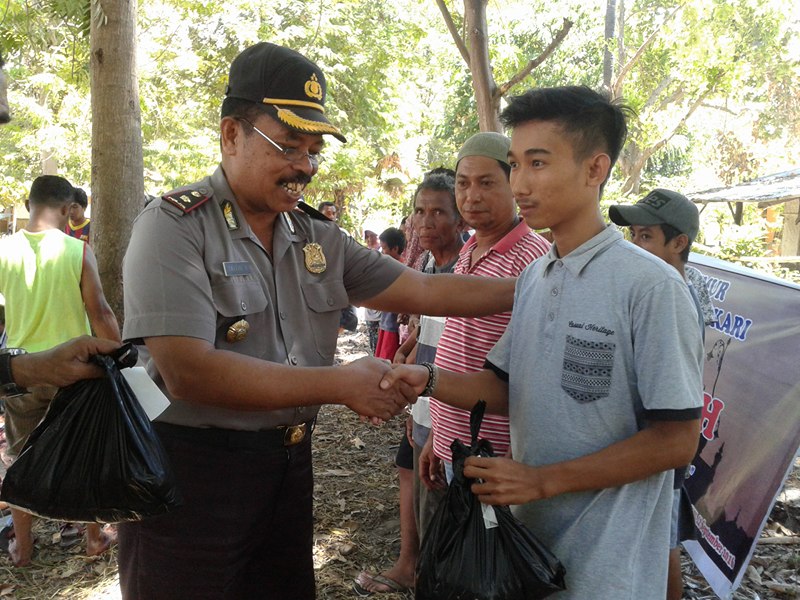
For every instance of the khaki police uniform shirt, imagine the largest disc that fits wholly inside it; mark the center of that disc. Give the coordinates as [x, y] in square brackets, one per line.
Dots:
[195, 273]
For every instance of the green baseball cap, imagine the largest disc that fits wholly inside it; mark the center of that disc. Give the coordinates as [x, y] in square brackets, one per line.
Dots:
[660, 206]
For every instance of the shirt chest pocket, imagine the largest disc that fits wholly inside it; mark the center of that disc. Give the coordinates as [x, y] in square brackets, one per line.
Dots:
[323, 297]
[324, 302]
[587, 369]
[239, 298]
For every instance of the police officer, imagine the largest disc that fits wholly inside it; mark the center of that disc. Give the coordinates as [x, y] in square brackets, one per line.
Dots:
[236, 288]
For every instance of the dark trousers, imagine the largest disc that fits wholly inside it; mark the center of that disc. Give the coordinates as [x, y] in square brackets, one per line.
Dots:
[245, 530]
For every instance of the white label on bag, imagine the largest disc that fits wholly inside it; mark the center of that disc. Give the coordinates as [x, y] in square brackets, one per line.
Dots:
[153, 401]
[489, 517]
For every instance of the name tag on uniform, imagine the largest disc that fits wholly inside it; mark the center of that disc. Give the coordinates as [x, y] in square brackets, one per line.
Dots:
[232, 269]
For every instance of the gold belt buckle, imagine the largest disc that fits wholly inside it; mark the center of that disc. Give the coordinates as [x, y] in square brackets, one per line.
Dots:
[294, 434]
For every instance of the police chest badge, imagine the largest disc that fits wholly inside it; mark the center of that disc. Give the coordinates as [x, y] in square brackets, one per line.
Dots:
[315, 258]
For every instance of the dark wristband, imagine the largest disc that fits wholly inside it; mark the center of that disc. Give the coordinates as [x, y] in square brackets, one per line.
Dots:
[7, 386]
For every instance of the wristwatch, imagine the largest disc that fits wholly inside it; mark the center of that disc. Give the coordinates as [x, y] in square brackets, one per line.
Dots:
[8, 388]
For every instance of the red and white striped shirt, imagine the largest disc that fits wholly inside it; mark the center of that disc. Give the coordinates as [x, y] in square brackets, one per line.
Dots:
[466, 341]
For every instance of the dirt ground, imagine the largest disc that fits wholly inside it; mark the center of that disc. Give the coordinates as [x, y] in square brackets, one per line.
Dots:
[357, 525]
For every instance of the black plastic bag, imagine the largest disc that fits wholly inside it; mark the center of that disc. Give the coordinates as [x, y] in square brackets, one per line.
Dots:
[94, 456]
[461, 559]
[349, 318]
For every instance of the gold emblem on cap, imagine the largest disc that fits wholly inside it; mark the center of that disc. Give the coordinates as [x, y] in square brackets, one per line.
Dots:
[238, 331]
[230, 216]
[315, 258]
[313, 88]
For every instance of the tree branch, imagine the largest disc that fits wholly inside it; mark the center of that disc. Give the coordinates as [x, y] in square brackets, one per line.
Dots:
[525, 71]
[651, 150]
[451, 27]
[623, 73]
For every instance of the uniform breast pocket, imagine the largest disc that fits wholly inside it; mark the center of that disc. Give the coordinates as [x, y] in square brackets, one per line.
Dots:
[325, 301]
[586, 374]
[323, 297]
[239, 298]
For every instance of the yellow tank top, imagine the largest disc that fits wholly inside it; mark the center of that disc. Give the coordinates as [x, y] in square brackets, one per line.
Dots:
[40, 276]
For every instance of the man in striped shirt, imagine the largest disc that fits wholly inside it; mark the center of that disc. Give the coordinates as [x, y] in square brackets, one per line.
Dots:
[503, 245]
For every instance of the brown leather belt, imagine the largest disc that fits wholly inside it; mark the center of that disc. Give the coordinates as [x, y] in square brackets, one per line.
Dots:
[239, 440]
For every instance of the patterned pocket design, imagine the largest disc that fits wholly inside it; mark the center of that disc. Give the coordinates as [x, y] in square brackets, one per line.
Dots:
[586, 375]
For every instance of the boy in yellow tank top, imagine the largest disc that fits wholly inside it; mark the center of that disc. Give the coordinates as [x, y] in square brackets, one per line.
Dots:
[53, 293]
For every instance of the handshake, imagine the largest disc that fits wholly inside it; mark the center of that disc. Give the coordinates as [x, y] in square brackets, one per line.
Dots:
[381, 390]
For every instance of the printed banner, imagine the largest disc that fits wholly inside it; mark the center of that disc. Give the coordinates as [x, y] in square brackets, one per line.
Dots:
[751, 416]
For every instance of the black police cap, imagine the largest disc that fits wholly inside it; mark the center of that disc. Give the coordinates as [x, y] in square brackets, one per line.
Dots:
[291, 87]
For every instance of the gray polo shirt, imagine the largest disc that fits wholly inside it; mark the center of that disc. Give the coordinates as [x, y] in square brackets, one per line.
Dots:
[599, 343]
[196, 273]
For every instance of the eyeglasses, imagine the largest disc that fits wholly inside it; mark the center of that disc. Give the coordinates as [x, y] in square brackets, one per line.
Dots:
[293, 155]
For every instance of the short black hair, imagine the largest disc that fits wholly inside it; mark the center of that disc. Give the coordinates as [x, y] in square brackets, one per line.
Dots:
[79, 196]
[51, 190]
[591, 119]
[393, 238]
[244, 110]
[440, 179]
[325, 204]
[670, 233]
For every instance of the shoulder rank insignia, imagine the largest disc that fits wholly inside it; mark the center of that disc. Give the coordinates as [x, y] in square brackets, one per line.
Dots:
[230, 216]
[315, 258]
[186, 200]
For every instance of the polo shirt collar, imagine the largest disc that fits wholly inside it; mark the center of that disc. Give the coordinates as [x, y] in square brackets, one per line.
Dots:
[577, 260]
[505, 243]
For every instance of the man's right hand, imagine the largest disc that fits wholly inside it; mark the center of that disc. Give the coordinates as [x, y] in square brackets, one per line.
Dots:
[62, 365]
[414, 377]
[367, 398]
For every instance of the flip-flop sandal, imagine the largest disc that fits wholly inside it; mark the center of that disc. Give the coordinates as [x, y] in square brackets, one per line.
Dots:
[390, 583]
[393, 586]
[69, 542]
[361, 592]
[71, 530]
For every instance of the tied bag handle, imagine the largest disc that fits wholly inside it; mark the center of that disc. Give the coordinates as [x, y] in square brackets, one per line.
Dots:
[124, 357]
[475, 420]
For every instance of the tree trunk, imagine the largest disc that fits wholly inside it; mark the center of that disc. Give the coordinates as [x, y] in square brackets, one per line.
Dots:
[608, 38]
[488, 101]
[117, 164]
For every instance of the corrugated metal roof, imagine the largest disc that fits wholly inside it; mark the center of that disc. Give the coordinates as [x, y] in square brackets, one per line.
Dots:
[770, 189]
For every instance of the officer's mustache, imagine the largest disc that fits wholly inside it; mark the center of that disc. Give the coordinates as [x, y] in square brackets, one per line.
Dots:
[301, 178]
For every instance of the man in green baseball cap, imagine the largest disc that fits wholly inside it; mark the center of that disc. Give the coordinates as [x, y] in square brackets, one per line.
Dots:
[665, 223]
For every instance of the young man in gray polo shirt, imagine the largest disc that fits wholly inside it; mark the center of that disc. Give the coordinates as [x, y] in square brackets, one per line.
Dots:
[598, 369]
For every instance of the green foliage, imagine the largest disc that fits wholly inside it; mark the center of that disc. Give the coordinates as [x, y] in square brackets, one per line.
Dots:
[707, 51]
[400, 88]
[46, 57]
